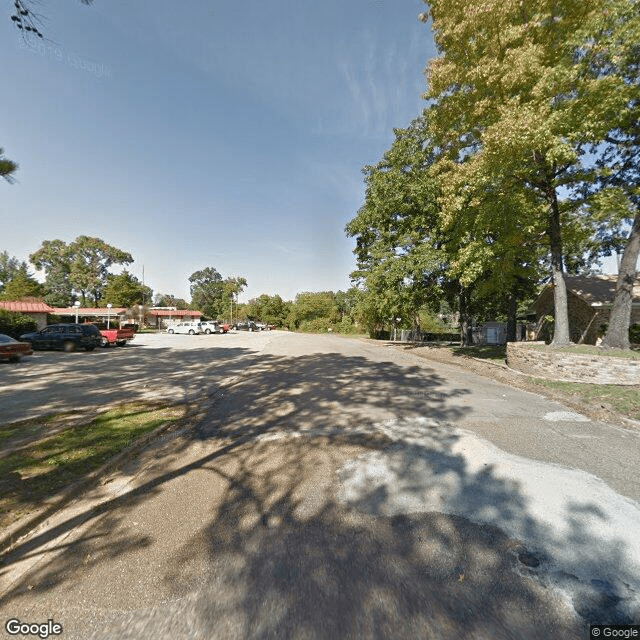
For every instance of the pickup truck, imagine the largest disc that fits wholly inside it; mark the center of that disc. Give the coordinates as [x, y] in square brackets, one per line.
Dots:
[118, 337]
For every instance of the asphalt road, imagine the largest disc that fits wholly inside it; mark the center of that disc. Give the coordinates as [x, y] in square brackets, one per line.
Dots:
[331, 488]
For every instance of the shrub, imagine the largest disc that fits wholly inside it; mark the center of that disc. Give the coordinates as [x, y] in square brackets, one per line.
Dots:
[346, 326]
[15, 324]
[317, 325]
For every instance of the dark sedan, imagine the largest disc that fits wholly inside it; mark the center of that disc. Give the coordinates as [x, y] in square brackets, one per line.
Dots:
[12, 350]
[246, 326]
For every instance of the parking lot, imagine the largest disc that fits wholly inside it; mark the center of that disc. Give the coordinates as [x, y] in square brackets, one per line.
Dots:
[178, 368]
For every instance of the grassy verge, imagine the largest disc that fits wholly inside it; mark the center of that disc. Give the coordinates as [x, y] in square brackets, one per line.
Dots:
[623, 399]
[45, 468]
[496, 353]
[587, 349]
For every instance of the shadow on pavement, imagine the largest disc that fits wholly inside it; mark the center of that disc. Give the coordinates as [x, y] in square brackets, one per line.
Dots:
[277, 555]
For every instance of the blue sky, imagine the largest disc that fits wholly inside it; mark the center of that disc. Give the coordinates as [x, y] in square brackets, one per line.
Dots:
[200, 134]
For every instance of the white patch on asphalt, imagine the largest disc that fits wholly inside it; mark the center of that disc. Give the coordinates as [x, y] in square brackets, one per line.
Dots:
[585, 531]
[565, 416]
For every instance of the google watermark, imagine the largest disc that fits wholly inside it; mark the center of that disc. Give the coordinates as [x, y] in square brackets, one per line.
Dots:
[614, 631]
[58, 54]
[15, 627]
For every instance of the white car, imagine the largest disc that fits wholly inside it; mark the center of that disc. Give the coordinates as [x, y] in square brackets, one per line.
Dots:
[186, 327]
[209, 326]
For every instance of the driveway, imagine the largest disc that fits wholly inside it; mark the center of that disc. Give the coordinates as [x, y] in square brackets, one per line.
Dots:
[333, 488]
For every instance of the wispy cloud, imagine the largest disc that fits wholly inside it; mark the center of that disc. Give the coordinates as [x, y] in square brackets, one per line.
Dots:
[383, 84]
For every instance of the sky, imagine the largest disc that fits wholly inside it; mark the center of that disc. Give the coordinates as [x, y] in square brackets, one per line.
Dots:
[206, 134]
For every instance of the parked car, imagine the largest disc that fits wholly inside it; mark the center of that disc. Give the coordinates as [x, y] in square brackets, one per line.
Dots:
[246, 326]
[186, 327]
[12, 350]
[211, 326]
[66, 336]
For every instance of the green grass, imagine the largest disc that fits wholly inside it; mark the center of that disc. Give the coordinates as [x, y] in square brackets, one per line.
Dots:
[496, 353]
[27, 429]
[45, 468]
[587, 349]
[624, 399]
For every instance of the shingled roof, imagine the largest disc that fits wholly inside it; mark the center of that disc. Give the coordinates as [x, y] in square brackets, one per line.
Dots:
[598, 290]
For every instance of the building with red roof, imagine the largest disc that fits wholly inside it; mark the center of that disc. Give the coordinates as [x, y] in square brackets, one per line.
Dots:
[36, 309]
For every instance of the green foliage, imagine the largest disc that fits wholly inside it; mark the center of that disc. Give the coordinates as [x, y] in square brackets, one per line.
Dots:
[7, 168]
[308, 307]
[9, 268]
[316, 325]
[22, 285]
[80, 267]
[90, 261]
[15, 324]
[346, 326]
[211, 294]
[431, 323]
[269, 309]
[125, 290]
[53, 258]
[168, 300]
[401, 261]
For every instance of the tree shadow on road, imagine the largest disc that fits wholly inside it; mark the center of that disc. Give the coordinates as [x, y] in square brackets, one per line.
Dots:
[285, 553]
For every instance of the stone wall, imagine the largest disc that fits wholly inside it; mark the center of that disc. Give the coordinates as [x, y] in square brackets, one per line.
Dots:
[556, 364]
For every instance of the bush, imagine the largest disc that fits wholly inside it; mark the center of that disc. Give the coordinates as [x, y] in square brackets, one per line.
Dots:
[441, 337]
[15, 324]
[317, 325]
[346, 326]
[634, 333]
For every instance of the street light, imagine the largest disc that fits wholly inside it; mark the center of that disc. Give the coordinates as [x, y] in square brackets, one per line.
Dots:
[76, 304]
[109, 305]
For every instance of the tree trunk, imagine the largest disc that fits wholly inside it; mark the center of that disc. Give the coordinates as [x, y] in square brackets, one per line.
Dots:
[617, 336]
[512, 320]
[466, 330]
[561, 308]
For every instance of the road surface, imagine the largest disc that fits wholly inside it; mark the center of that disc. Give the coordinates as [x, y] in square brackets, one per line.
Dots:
[331, 488]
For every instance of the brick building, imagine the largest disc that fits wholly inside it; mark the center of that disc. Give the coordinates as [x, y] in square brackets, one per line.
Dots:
[590, 299]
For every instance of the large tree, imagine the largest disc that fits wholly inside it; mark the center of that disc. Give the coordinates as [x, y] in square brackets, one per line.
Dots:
[91, 259]
[53, 258]
[21, 285]
[610, 62]
[269, 309]
[400, 261]
[212, 294]
[80, 267]
[505, 103]
[125, 290]
[9, 267]
[169, 300]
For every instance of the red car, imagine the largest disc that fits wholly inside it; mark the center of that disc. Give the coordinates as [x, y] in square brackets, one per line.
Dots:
[12, 350]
